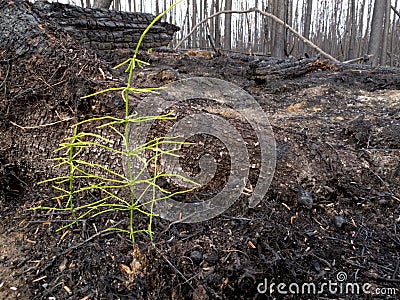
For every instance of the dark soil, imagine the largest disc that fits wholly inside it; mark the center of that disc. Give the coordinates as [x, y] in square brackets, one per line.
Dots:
[338, 138]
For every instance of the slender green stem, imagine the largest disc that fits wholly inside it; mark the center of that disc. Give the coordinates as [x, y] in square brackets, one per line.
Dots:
[83, 177]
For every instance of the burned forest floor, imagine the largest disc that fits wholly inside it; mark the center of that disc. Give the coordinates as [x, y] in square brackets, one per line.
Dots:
[337, 132]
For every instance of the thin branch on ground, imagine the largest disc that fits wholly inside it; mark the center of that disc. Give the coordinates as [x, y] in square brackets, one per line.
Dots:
[7, 73]
[362, 58]
[177, 271]
[40, 126]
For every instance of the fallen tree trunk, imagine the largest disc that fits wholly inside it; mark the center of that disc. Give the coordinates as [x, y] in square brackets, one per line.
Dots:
[44, 27]
[274, 68]
[271, 68]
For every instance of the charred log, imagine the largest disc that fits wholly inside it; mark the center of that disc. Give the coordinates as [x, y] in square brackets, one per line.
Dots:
[271, 68]
[276, 68]
[42, 27]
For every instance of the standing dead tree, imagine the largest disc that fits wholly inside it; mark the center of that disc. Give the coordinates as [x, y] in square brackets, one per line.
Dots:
[269, 15]
[377, 31]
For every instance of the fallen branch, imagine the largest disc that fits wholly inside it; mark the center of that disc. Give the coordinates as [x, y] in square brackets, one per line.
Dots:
[273, 17]
[177, 271]
[363, 58]
[7, 73]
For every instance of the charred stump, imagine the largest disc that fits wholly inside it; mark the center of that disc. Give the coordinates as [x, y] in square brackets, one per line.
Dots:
[43, 27]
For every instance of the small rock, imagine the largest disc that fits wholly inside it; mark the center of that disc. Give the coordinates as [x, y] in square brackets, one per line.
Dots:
[196, 257]
[339, 221]
[317, 266]
[383, 202]
[119, 103]
[304, 198]
[211, 278]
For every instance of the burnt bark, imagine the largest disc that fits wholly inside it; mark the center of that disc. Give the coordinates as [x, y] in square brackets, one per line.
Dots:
[307, 22]
[228, 26]
[377, 27]
[43, 27]
[274, 68]
[279, 33]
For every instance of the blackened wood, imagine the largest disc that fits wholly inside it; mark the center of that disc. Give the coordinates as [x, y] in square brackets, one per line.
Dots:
[275, 68]
[272, 68]
[42, 27]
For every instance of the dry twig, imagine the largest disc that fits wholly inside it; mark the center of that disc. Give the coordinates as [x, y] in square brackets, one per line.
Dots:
[40, 126]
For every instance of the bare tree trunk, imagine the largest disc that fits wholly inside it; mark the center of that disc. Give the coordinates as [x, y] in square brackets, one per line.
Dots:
[202, 38]
[211, 28]
[217, 26]
[385, 33]
[228, 26]
[352, 30]
[195, 40]
[102, 4]
[278, 49]
[272, 25]
[326, 43]
[334, 30]
[307, 23]
[288, 17]
[376, 38]
[299, 47]
[189, 41]
[256, 47]
[116, 5]
[264, 28]
[392, 39]
[361, 28]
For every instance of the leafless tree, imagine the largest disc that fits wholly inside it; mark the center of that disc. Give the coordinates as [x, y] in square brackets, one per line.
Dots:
[377, 25]
[278, 49]
[344, 29]
[307, 20]
[228, 26]
[385, 33]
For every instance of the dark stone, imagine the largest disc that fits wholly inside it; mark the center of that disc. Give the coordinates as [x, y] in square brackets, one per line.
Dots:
[304, 198]
[339, 221]
[196, 257]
